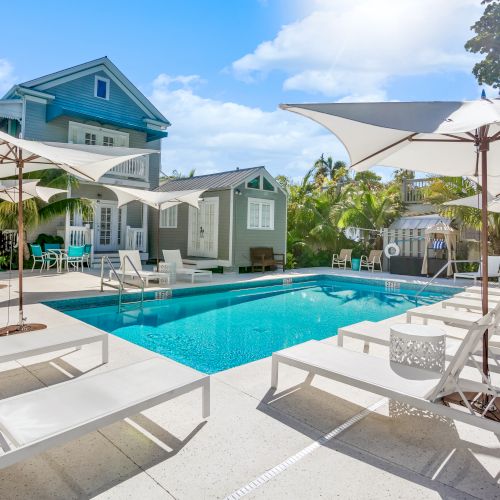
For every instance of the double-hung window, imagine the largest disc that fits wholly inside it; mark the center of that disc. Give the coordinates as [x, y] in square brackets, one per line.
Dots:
[101, 87]
[168, 218]
[260, 214]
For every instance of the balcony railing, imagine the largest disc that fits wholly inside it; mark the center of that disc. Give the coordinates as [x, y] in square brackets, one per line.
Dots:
[137, 168]
[136, 239]
[413, 189]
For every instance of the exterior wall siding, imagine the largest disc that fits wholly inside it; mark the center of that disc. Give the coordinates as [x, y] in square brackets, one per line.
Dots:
[244, 239]
[171, 239]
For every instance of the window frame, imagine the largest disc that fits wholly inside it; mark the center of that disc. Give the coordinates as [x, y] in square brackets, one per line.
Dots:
[162, 225]
[260, 202]
[261, 184]
[107, 82]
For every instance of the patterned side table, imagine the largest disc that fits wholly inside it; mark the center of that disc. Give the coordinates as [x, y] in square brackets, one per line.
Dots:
[421, 346]
[169, 269]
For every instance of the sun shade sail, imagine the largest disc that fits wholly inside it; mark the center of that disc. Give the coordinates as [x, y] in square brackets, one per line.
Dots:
[156, 199]
[432, 137]
[85, 162]
[9, 191]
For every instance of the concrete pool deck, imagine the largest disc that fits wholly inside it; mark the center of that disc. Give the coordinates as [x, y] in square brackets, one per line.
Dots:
[268, 445]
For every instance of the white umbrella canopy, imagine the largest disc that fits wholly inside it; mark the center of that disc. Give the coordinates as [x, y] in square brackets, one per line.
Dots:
[80, 160]
[444, 138]
[475, 201]
[9, 191]
[432, 137]
[160, 200]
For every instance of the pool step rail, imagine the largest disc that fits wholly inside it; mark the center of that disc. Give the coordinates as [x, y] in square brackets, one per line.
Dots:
[120, 281]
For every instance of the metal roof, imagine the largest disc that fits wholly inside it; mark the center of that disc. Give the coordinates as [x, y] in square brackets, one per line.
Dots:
[418, 221]
[220, 180]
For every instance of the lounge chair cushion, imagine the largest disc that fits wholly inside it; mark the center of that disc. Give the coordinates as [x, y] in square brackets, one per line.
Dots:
[40, 414]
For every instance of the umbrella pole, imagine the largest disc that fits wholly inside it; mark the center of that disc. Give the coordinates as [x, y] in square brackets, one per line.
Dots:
[483, 149]
[20, 238]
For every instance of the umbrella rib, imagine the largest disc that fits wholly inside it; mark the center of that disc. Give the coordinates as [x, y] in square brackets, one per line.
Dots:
[407, 138]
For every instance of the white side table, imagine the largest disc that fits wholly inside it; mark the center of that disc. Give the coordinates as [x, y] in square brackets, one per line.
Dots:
[169, 269]
[421, 346]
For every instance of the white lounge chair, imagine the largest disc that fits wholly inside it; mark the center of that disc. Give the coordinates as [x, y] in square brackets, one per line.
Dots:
[478, 290]
[476, 296]
[468, 304]
[436, 312]
[24, 345]
[416, 387]
[174, 257]
[493, 270]
[127, 269]
[342, 259]
[39, 420]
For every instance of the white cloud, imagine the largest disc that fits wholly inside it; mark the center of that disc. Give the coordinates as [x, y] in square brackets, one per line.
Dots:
[7, 77]
[211, 135]
[354, 47]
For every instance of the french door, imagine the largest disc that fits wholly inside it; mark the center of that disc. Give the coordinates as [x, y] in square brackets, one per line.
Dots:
[106, 226]
[203, 231]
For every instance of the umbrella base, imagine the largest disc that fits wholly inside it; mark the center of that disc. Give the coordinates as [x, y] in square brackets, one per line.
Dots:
[27, 327]
[477, 403]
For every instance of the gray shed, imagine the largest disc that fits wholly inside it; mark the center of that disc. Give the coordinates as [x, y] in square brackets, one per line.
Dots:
[240, 209]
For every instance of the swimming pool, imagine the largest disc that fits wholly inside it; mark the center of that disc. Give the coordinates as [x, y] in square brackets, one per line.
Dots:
[217, 327]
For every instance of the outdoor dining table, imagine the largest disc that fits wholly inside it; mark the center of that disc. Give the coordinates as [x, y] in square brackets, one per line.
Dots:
[59, 255]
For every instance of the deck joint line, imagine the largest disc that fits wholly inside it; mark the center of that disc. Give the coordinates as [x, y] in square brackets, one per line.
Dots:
[287, 463]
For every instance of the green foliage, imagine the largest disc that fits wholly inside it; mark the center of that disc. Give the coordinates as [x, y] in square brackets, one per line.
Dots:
[323, 204]
[48, 238]
[487, 42]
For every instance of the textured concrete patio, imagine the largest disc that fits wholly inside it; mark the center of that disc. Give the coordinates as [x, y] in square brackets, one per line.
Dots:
[170, 452]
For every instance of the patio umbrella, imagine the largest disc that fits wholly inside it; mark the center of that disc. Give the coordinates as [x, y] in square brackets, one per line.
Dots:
[445, 138]
[18, 156]
[475, 201]
[159, 200]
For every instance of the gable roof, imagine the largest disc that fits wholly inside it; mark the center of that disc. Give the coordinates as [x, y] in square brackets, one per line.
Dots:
[46, 82]
[220, 180]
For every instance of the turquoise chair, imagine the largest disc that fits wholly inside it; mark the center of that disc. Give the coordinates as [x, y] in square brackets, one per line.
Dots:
[87, 253]
[52, 251]
[75, 257]
[38, 256]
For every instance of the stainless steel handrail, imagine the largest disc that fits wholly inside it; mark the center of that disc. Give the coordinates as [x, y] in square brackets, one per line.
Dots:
[439, 272]
[121, 282]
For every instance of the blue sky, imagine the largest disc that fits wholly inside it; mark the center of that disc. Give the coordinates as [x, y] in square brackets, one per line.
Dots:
[219, 69]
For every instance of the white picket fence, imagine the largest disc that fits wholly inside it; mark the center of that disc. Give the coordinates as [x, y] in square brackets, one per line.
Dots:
[136, 239]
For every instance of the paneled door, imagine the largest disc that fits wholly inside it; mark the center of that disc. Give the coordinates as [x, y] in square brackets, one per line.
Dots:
[106, 226]
[203, 231]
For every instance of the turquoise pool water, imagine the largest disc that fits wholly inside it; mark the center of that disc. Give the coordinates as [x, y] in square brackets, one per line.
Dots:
[220, 327]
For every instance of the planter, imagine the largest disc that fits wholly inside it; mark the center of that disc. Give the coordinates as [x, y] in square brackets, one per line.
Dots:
[355, 264]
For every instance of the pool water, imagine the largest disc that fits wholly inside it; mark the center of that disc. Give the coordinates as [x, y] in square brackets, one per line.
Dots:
[222, 329]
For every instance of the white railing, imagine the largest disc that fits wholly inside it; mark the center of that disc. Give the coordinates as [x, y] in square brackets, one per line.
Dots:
[136, 239]
[77, 236]
[137, 168]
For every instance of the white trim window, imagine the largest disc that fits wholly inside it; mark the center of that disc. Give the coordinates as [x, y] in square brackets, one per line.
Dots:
[262, 183]
[101, 88]
[81, 133]
[260, 214]
[168, 218]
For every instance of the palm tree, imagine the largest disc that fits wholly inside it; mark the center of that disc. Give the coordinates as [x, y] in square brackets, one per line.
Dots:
[327, 169]
[36, 212]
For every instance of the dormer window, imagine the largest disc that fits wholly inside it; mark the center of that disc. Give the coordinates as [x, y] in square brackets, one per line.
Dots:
[262, 183]
[101, 87]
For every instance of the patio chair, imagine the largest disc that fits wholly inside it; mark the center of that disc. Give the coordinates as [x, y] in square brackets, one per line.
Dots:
[53, 251]
[373, 259]
[174, 257]
[39, 420]
[493, 270]
[24, 345]
[416, 387]
[126, 269]
[38, 256]
[263, 257]
[341, 259]
[74, 257]
[87, 255]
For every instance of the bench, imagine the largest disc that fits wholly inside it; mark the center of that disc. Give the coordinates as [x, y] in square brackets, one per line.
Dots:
[262, 257]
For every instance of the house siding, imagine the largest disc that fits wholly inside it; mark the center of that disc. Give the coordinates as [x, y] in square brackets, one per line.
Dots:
[244, 239]
[172, 239]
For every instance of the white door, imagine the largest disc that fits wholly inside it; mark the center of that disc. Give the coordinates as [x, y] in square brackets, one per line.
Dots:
[203, 232]
[106, 226]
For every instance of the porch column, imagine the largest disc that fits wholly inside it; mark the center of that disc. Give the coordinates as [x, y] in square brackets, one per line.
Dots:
[67, 222]
[145, 226]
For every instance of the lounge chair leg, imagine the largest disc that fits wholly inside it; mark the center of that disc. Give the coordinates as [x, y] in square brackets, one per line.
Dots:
[340, 339]
[366, 348]
[205, 398]
[105, 350]
[274, 373]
